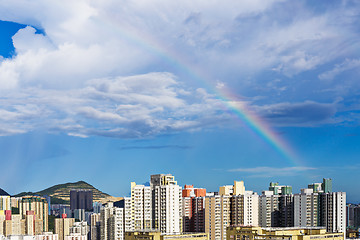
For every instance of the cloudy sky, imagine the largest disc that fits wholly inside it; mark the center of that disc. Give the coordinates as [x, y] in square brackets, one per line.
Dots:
[211, 91]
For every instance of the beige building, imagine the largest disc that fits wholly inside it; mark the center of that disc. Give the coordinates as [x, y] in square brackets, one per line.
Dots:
[62, 226]
[156, 235]
[37, 206]
[289, 233]
[5, 203]
[15, 224]
[95, 226]
[233, 205]
[217, 216]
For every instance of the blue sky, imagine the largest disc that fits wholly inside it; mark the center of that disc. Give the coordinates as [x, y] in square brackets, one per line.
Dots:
[110, 93]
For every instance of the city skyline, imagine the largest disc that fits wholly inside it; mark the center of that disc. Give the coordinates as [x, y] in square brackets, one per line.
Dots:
[110, 93]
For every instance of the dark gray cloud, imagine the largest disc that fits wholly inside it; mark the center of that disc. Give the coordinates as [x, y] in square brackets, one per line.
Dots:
[306, 113]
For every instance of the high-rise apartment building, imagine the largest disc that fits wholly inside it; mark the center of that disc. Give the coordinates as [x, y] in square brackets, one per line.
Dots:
[306, 208]
[80, 227]
[81, 199]
[333, 211]
[32, 217]
[141, 207]
[95, 226]
[269, 209]
[350, 215]
[316, 187]
[357, 216]
[193, 204]
[128, 218]
[327, 185]
[286, 210]
[233, 206]
[280, 189]
[38, 207]
[63, 225]
[5, 203]
[315, 206]
[166, 203]
[13, 224]
[217, 216]
[244, 205]
[111, 223]
[245, 209]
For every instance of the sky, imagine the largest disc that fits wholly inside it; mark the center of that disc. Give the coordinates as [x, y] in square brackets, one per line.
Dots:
[213, 91]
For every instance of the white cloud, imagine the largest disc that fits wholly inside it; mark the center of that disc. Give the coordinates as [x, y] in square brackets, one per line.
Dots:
[89, 65]
[118, 107]
[347, 65]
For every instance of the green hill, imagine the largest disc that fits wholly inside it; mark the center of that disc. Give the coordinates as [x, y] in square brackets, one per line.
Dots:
[61, 193]
[3, 193]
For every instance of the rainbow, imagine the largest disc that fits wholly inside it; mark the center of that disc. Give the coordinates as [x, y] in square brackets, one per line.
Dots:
[240, 108]
[258, 125]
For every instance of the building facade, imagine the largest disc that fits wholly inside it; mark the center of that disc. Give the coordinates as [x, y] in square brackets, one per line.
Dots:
[81, 199]
[289, 233]
[166, 204]
[217, 216]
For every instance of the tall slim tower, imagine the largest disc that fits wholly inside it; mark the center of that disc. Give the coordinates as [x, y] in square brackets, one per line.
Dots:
[166, 203]
[141, 206]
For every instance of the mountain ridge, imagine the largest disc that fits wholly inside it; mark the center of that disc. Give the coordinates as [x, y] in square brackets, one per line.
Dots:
[60, 193]
[3, 193]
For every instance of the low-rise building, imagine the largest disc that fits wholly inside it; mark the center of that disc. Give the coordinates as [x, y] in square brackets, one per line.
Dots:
[280, 233]
[157, 235]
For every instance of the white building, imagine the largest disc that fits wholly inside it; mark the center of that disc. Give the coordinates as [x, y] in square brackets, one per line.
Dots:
[111, 223]
[76, 236]
[141, 207]
[46, 236]
[79, 228]
[333, 211]
[43, 236]
[306, 208]
[268, 209]
[128, 219]
[167, 203]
